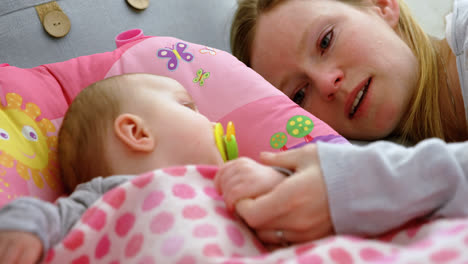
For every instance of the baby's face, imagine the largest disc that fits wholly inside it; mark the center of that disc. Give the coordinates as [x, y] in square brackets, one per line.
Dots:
[183, 135]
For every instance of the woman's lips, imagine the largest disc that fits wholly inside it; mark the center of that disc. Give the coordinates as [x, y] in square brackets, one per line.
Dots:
[357, 98]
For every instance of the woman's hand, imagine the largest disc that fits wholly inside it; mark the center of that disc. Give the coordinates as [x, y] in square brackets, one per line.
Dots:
[296, 210]
[245, 178]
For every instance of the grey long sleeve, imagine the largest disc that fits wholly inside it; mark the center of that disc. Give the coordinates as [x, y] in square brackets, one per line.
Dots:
[376, 188]
[51, 222]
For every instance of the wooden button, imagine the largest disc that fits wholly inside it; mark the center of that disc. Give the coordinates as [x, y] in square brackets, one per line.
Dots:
[138, 4]
[57, 24]
[53, 19]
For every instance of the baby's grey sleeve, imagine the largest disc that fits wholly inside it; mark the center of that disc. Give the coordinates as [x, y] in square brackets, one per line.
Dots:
[51, 222]
[72, 208]
[32, 215]
[378, 187]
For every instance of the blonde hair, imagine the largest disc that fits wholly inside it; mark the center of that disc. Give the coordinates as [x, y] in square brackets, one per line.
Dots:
[426, 118]
[86, 124]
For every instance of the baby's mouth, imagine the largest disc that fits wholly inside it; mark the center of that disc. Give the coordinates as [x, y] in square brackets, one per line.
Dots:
[227, 144]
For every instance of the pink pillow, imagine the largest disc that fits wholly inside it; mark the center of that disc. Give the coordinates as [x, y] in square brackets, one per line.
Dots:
[34, 101]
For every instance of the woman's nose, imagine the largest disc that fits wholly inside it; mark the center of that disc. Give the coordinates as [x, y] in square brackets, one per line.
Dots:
[328, 82]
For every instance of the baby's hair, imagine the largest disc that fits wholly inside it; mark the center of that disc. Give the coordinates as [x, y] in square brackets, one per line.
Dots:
[426, 117]
[87, 122]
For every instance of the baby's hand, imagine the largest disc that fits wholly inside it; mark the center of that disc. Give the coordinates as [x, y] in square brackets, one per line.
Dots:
[17, 247]
[245, 178]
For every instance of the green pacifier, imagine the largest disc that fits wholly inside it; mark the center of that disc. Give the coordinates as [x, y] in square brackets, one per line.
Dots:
[227, 144]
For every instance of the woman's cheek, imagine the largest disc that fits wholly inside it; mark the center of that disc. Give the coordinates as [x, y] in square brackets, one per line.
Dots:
[386, 119]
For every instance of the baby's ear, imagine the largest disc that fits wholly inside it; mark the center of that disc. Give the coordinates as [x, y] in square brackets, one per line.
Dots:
[133, 132]
[389, 10]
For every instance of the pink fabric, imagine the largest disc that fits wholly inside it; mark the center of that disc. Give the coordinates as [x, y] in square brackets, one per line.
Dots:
[128, 37]
[175, 216]
[231, 92]
[223, 88]
[35, 100]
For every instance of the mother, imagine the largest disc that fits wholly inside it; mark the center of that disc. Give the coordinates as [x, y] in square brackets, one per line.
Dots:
[321, 53]
[367, 69]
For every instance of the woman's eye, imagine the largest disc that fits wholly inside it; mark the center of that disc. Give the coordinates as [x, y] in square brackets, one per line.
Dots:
[326, 40]
[299, 97]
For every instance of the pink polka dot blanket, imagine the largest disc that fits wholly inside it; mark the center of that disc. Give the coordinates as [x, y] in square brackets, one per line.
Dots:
[34, 101]
[175, 216]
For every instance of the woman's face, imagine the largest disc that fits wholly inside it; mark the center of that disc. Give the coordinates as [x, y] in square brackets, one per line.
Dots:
[346, 65]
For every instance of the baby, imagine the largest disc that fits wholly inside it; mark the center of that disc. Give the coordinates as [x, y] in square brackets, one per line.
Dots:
[123, 125]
